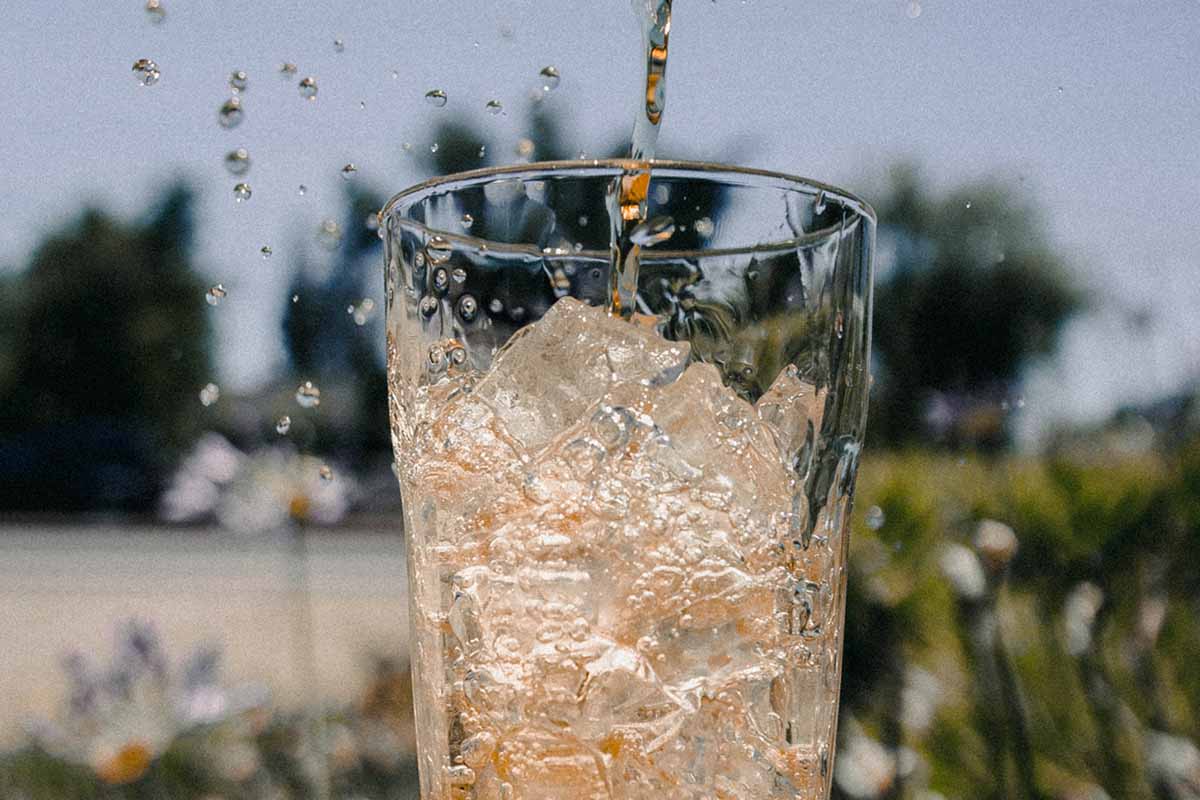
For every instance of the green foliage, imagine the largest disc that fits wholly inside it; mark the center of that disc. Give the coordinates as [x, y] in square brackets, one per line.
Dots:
[106, 345]
[974, 295]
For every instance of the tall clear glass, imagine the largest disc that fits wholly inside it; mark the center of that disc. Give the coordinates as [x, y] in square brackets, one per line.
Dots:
[627, 536]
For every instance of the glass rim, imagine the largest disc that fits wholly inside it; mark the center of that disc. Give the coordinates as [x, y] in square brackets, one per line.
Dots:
[540, 170]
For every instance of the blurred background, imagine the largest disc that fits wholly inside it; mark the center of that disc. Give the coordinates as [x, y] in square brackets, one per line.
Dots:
[202, 589]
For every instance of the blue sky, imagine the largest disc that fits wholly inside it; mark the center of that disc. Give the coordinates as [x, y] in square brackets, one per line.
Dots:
[1093, 106]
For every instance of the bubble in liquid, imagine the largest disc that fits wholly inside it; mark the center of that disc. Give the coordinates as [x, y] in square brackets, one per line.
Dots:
[326, 473]
[874, 518]
[266, 251]
[428, 305]
[348, 171]
[287, 69]
[283, 425]
[230, 113]
[653, 231]
[525, 148]
[329, 234]
[237, 162]
[438, 250]
[339, 46]
[210, 394]
[308, 395]
[238, 80]
[242, 192]
[550, 78]
[494, 107]
[155, 11]
[704, 226]
[308, 88]
[467, 221]
[436, 98]
[215, 295]
[441, 280]
[468, 308]
[146, 72]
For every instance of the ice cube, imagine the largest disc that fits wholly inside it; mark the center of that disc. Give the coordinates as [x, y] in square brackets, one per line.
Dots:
[551, 372]
[541, 764]
[621, 690]
[792, 409]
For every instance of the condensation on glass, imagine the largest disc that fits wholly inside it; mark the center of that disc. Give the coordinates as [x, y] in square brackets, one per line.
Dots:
[627, 537]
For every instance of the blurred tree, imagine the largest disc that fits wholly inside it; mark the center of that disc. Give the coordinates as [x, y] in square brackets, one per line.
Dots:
[973, 295]
[105, 346]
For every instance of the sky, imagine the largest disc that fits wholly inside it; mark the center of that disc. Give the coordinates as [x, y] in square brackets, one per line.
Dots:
[1092, 105]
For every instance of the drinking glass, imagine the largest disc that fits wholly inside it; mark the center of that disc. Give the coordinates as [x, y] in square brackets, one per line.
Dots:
[626, 533]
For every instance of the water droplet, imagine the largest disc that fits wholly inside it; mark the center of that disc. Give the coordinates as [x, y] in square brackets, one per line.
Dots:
[482, 150]
[395, 74]
[237, 162]
[287, 69]
[146, 72]
[210, 394]
[968, 204]
[308, 395]
[230, 113]
[525, 148]
[819, 202]
[155, 11]
[494, 107]
[433, 148]
[302, 190]
[468, 307]
[283, 425]
[914, 9]
[428, 305]
[550, 78]
[329, 234]
[242, 192]
[441, 280]
[467, 221]
[874, 518]
[215, 295]
[438, 250]
[308, 88]
[653, 231]
[326, 473]
[348, 171]
[295, 298]
[436, 98]
[704, 227]
[266, 251]
[339, 46]
[238, 80]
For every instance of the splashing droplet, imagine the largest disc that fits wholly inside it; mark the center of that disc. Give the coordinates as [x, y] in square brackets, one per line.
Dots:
[339, 46]
[874, 518]
[155, 11]
[242, 192]
[215, 295]
[704, 227]
[468, 308]
[230, 114]
[287, 69]
[238, 80]
[653, 231]
[326, 473]
[210, 394]
[283, 425]
[436, 98]
[348, 171]
[146, 72]
[266, 251]
[308, 88]
[308, 395]
[494, 107]
[550, 78]
[237, 162]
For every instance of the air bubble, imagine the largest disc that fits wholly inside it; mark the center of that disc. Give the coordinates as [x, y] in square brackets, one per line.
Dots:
[436, 98]
[266, 251]
[242, 192]
[339, 46]
[441, 280]
[349, 171]
[494, 107]
[468, 308]
[550, 78]
[237, 162]
[238, 80]
[308, 395]
[308, 88]
[146, 72]
[230, 114]
[459, 275]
